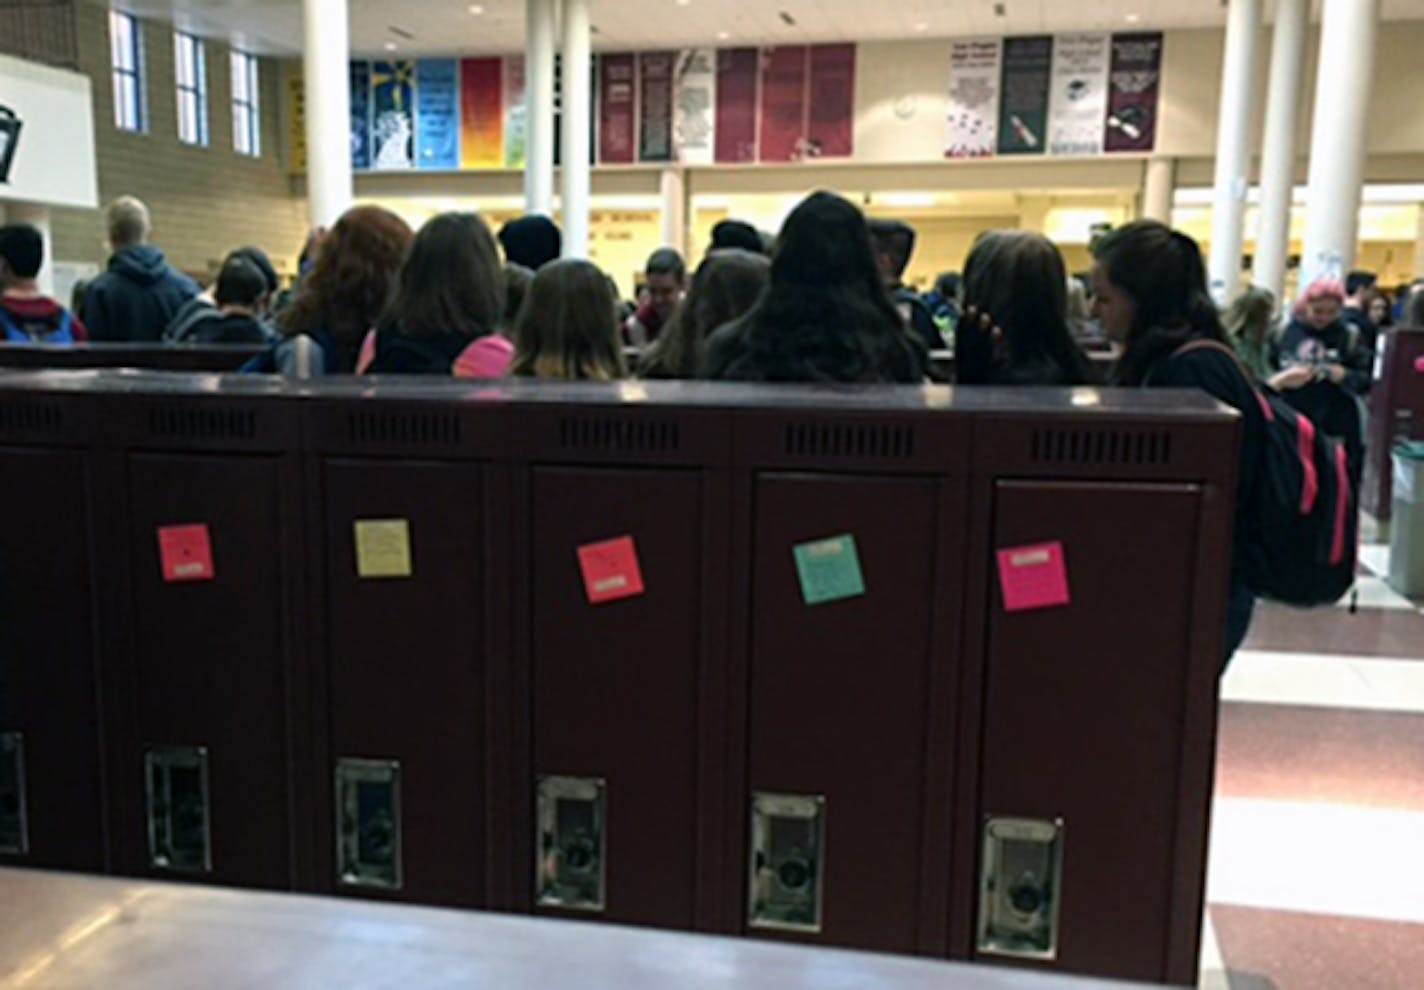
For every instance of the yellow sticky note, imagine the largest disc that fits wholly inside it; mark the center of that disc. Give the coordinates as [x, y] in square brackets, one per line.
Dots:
[383, 548]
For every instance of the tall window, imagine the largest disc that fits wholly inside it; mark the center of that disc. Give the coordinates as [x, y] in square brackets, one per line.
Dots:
[126, 50]
[246, 110]
[191, 70]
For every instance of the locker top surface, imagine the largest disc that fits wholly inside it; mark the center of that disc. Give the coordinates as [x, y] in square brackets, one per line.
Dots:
[68, 930]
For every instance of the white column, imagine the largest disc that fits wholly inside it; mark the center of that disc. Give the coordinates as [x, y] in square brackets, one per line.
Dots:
[1278, 155]
[39, 218]
[1233, 147]
[1159, 189]
[326, 80]
[539, 103]
[1337, 146]
[673, 184]
[577, 129]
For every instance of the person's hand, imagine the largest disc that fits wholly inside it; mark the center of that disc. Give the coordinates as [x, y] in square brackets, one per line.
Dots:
[1293, 378]
[1336, 373]
[984, 323]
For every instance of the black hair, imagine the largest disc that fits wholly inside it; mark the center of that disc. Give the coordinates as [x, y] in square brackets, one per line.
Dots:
[532, 241]
[240, 283]
[22, 247]
[948, 284]
[727, 284]
[736, 234]
[896, 240]
[826, 315]
[258, 257]
[1161, 270]
[1358, 281]
[666, 261]
[451, 281]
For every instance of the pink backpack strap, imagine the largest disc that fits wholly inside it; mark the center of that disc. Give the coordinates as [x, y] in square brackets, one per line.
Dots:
[367, 357]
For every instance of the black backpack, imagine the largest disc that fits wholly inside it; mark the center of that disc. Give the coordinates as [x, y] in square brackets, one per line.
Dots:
[1302, 518]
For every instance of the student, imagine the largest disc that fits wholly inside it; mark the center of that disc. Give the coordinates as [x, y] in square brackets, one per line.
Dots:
[242, 293]
[943, 302]
[726, 285]
[532, 241]
[517, 280]
[825, 316]
[203, 307]
[894, 243]
[1015, 330]
[736, 235]
[665, 281]
[1358, 288]
[1150, 292]
[342, 298]
[568, 328]
[448, 307]
[27, 315]
[140, 293]
[1250, 326]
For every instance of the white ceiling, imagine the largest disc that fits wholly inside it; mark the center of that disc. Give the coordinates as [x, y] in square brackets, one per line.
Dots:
[448, 27]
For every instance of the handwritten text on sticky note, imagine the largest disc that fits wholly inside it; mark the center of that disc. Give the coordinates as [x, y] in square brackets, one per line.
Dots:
[1034, 577]
[829, 570]
[610, 570]
[186, 553]
[383, 549]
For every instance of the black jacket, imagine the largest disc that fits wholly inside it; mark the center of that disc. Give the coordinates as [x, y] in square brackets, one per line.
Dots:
[137, 297]
[1338, 343]
[398, 354]
[918, 317]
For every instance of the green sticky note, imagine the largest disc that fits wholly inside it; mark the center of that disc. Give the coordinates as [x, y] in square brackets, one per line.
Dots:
[829, 570]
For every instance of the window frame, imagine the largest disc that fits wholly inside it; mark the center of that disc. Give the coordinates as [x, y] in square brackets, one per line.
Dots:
[128, 68]
[246, 104]
[190, 83]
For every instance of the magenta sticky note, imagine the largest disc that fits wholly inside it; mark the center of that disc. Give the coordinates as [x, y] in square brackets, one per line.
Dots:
[1034, 577]
[1419, 364]
[186, 553]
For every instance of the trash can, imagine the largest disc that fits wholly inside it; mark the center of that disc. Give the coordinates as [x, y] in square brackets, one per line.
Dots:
[1406, 545]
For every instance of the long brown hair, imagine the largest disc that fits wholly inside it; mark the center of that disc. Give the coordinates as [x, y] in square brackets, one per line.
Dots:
[568, 328]
[451, 282]
[353, 280]
[727, 284]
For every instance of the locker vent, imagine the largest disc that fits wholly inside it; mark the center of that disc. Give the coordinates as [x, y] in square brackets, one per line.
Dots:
[860, 440]
[423, 428]
[31, 417]
[621, 436]
[188, 423]
[1130, 447]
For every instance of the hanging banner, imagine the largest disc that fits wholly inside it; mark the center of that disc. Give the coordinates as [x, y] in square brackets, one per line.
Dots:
[1079, 100]
[695, 112]
[1023, 100]
[437, 117]
[393, 116]
[783, 104]
[1134, 90]
[482, 113]
[736, 130]
[360, 116]
[975, 65]
[655, 70]
[297, 124]
[617, 109]
[830, 125]
[516, 116]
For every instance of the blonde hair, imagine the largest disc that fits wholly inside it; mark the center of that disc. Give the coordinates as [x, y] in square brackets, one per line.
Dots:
[129, 222]
[568, 327]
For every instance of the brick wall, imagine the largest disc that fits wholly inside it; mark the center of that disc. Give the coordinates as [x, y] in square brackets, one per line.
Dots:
[205, 201]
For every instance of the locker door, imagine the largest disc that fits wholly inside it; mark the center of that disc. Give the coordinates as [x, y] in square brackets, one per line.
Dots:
[840, 707]
[209, 781]
[405, 677]
[616, 717]
[49, 765]
[1083, 720]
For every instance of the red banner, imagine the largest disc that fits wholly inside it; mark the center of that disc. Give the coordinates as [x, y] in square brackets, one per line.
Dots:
[783, 104]
[737, 105]
[617, 93]
[482, 113]
[830, 129]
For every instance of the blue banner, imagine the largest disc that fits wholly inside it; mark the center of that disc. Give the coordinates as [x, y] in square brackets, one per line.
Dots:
[437, 115]
[360, 116]
[393, 116]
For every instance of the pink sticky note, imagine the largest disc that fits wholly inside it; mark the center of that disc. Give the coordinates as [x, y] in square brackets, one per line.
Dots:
[1033, 577]
[186, 553]
[610, 570]
[1419, 364]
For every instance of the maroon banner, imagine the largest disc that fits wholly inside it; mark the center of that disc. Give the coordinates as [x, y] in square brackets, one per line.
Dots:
[1134, 92]
[617, 103]
[830, 131]
[655, 71]
[783, 104]
[737, 105]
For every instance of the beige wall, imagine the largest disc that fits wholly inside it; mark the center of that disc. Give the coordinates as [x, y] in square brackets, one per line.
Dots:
[205, 201]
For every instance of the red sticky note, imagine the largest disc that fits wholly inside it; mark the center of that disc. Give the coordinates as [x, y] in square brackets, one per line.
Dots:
[1419, 365]
[186, 553]
[1033, 577]
[610, 570]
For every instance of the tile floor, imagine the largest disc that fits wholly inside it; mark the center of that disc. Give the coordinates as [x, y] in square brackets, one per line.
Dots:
[1316, 879]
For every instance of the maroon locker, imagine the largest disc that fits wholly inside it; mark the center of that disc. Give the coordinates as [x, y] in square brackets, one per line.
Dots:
[1094, 739]
[1396, 413]
[624, 740]
[843, 833]
[400, 497]
[205, 477]
[51, 812]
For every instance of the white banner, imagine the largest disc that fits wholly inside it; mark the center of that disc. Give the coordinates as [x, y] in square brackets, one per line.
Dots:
[973, 125]
[695, 107]
[1079, 101]
[46, 136]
